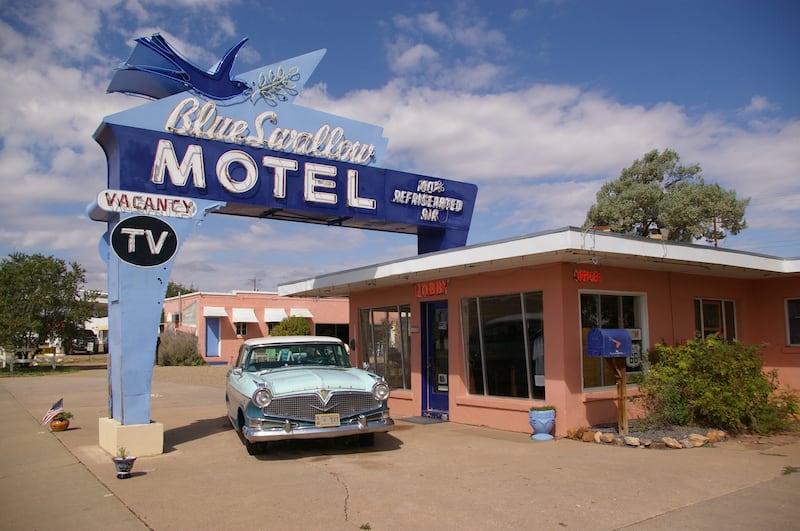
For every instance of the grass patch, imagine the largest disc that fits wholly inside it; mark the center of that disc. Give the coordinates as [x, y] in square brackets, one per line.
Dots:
[43, 369]
[790, 470]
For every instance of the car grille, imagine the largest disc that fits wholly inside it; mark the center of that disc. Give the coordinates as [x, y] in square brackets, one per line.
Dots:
[304, 407]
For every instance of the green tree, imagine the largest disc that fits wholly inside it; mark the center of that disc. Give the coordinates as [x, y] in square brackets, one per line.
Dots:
[292, 326]
[175, 288]
[41, 298]
[658, 192]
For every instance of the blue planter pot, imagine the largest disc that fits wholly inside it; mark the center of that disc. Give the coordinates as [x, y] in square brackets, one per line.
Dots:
[124, 466]
[542, 423]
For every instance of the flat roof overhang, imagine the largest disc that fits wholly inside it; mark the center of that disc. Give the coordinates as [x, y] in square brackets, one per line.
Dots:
[567, 245]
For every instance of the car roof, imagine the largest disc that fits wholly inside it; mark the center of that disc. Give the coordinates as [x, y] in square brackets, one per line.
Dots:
[283, 340]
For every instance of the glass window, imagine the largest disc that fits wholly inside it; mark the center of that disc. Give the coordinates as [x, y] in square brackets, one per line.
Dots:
[793, 321]
[714, 316]
[386, 343]
[241, 329]
[293, 353]
[610, 311]
[503, 339]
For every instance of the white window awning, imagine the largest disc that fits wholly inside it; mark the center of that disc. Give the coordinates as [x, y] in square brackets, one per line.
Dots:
[274, 315]
[301, 312]
[214, 311]
[244, 315]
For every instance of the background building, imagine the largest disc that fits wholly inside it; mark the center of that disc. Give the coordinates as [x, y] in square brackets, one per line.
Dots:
[222, 321]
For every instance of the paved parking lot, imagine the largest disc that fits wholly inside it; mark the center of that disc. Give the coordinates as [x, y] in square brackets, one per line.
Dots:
[433, 476]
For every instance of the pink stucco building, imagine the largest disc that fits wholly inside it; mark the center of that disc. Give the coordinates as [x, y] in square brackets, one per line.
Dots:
[222, 321]
[481, 333]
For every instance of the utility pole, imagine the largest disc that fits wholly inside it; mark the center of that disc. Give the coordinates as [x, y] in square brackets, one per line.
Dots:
[255, 283]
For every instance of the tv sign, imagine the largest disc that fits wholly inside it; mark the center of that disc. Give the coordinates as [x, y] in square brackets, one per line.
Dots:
[144, 241]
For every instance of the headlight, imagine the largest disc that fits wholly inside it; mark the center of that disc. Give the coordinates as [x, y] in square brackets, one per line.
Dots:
[380, 391]
[262, 397]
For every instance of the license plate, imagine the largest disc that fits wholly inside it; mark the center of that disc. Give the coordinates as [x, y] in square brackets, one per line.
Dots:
[326, 420]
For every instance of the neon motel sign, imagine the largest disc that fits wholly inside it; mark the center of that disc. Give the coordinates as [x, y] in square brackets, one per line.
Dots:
[211, 141]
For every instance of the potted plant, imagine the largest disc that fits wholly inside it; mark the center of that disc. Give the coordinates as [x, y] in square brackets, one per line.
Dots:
[542, 419]
[61, 421]
[123, 462]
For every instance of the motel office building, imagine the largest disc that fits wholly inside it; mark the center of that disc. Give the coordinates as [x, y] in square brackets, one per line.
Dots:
[479, 334]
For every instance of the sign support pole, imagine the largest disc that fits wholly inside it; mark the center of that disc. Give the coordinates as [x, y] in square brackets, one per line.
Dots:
[620, 372]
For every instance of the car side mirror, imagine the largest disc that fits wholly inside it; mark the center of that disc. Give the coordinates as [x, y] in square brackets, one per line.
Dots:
[236, 371]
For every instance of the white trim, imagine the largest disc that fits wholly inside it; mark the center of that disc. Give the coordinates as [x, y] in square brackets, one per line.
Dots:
[274, 315]
[244, 315]
[569, 245]
[301, 312]
[214, 311]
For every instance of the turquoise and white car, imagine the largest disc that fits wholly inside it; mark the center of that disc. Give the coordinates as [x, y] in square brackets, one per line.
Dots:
[303, 387]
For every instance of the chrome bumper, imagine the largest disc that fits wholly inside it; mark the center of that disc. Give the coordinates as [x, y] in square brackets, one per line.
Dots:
[297, 431]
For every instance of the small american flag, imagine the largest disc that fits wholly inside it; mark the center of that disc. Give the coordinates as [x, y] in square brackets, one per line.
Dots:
[56, 408]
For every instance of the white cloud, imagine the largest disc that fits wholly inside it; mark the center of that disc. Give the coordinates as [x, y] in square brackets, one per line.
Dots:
[758, 105]
[412, 58]
[538, 152]
[515, 144]
[415, 50]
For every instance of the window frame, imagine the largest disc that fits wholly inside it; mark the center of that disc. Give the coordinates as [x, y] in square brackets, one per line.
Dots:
[790, 341]
[369, 351]
[727, 306]
[535, 392]
[241, 329]
[641, 303]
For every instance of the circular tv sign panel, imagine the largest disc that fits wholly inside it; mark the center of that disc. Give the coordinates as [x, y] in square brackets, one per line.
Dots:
[144, 241]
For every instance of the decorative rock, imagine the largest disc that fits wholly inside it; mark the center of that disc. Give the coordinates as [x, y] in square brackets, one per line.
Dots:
[715, 436]
[672, 443]
[632, 441]
[607, 437]
[697, 440]
[646, 442]
[597, 435]
[686, 444]
[588, 436]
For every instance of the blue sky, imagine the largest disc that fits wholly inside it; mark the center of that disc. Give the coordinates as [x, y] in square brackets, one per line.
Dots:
[538, 103]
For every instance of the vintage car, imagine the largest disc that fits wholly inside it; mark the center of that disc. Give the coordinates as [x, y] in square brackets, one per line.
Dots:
[303, 387]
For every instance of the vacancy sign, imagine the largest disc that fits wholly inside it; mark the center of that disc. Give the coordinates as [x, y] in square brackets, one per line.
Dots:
[143, 203]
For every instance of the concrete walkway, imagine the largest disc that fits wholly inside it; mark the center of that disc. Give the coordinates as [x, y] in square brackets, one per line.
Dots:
[436, 476]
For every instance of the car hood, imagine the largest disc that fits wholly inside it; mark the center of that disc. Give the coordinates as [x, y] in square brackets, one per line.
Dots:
[299, 379]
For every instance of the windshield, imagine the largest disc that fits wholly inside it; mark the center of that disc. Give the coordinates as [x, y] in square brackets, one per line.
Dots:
[277, 355]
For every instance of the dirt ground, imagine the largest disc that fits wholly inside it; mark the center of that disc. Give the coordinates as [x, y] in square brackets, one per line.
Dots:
[214, 376]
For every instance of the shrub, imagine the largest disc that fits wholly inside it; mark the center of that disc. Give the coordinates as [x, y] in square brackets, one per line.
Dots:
[178, 348]
[715, 383]
[292, 326]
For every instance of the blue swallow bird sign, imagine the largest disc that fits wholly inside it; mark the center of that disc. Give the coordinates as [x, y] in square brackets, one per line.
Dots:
[211, 141]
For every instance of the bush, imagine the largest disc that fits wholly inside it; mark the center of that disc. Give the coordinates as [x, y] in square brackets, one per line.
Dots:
[292, 326]
[715, 383]
[178, 348]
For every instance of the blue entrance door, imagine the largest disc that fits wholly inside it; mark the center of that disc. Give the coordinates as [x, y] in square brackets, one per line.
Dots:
[212, 336]
[435, 367]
